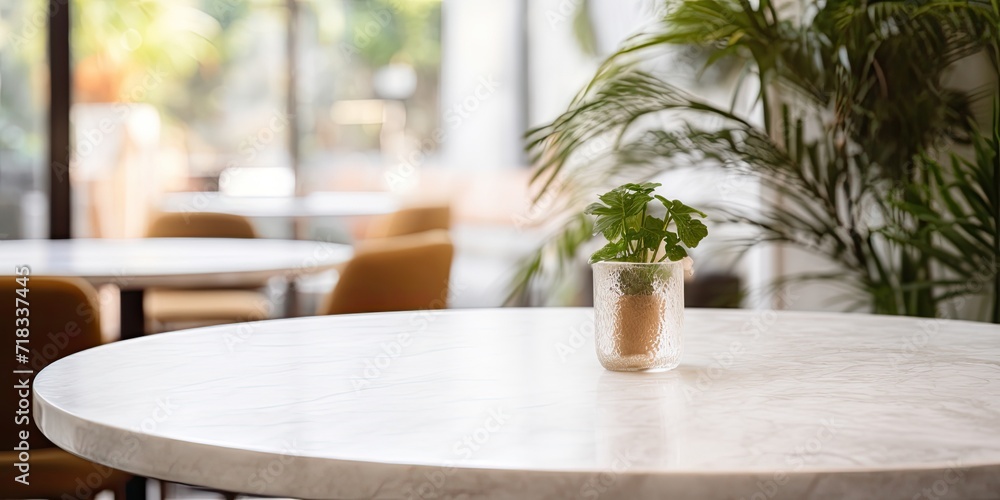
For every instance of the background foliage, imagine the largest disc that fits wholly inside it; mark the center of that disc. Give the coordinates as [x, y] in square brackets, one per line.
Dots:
[855, 131]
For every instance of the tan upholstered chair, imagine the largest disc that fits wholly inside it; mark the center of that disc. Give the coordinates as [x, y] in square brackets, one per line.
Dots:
[200, 225]
[403, 273]
[197, 307]
[63, 314]
[415, 219]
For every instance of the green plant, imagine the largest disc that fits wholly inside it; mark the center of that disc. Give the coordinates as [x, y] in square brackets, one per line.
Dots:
[635, 235]
[849, 110]
[961, 216]
[410, 31]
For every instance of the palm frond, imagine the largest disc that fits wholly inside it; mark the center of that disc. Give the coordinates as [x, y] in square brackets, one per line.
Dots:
[851, 123]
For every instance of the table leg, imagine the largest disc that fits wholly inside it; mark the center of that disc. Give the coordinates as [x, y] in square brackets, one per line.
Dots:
[300, 231]
[135, 489]
[133, 317]
[133, 325]
[291, 299]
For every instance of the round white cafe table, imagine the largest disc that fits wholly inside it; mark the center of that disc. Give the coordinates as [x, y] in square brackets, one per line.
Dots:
[512, 404]
[136, 264]
[318, 204]
[339, 204]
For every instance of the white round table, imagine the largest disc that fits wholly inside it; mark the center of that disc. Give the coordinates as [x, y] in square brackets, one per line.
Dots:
[136, 264]
[297, 208]
[318, 204]
[512, 403]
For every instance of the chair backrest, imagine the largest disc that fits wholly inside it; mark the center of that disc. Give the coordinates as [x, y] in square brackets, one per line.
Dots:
[411, 220]
[404, 273]
[200, 225]
[63, 318]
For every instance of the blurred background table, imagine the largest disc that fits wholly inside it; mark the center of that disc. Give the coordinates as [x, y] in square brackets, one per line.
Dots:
[324, 204]
[512, 403]
[134, 265]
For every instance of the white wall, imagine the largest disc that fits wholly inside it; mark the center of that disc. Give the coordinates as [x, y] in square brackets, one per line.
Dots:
[480, 84]
[558, 67]
[483, 80]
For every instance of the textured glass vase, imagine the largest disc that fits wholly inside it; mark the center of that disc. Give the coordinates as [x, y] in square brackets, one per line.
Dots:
[639, 314]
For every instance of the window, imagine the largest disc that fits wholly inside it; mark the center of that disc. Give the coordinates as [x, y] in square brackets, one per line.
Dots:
[23, 118]
[179, 94]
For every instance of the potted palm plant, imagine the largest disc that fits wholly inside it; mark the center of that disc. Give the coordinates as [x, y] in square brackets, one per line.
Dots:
[850, 119]
[639, 277]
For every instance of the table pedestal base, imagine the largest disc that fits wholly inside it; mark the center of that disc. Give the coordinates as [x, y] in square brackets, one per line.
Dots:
[133, 316]
[133, 326]
[135, 489]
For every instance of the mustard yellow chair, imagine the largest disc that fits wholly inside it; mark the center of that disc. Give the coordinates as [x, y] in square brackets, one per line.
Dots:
[411, 220]
[199, 307]
[403, 273]
[63, 314]
[200, 225]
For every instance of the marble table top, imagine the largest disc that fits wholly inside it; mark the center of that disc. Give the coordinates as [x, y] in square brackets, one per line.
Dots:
[146, 262]
[512, 403]
[318, 204]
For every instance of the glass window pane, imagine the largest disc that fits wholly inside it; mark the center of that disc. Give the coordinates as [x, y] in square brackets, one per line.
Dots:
[168, 95]
[23, 119]
[368, 80]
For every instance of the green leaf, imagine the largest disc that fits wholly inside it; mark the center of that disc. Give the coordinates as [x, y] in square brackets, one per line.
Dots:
[665, 202]
[676, 207]
[622, 219]
[644, 188]
[670, 239]
[609, 252]
[676, 253]
[609, 226]
[652, 233]
[690, 231]
[621, 207]
[595, 209]
[615, 198]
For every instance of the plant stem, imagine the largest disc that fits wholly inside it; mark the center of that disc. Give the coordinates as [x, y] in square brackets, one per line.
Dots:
[642, 223]
[666, 223]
